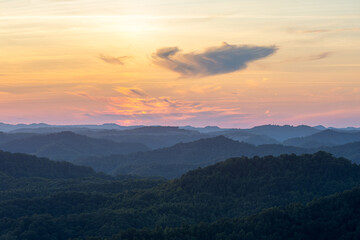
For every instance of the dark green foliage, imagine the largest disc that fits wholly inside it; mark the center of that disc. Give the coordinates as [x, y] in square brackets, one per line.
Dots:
[335, 217]
[99, 208]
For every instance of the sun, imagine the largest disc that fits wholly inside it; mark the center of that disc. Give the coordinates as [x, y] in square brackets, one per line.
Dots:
[136, 24]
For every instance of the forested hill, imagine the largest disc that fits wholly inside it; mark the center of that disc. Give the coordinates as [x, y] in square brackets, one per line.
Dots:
[20, 165]
[68, 146]
[272, 175]
[153, 137]
[325, 138]
[234, 188]
[333, 217]
[176, 160]
[350, 151]
[7, 137]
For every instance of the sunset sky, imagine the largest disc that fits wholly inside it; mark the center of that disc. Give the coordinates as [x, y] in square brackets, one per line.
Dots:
[231, 63]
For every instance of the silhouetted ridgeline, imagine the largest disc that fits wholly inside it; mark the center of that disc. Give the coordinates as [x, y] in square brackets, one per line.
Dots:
[350, 151]
[176, 160]
[162, 136]
[7, 137]
[282, 133]
[325, 138]
[20, 165]
[69, 146]
[237, 187]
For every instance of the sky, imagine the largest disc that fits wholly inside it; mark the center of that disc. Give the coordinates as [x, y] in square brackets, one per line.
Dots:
[230, 63]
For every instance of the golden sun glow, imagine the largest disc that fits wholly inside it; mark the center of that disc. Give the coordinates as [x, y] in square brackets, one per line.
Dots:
[140, 62]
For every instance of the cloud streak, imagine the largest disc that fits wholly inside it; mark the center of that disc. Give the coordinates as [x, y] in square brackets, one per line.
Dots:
[113, 60]
[320, 56]
[137, 92]
[215, 60]
[331, 30]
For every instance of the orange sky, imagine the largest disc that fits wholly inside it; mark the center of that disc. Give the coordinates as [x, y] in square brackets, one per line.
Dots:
[227, 63]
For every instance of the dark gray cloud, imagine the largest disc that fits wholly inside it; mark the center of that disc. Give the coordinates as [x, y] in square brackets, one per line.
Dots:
[319, 56]
[216, 60]
[113, 60]
[138, 92]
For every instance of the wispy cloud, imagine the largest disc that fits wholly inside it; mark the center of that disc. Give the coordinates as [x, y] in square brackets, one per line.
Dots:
[323, 30]
[315, 57]
[134, 106]
[113, 60]
[137, 92]
[319, 56]
[216, 60]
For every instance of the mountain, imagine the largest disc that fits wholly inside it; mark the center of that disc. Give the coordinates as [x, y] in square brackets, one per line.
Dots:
[346, 129]
[350, 151]
[325, 138]
[44, 128]
[19, 165]
[176, 160]
[320, 127]
[282, 133]
[153, 137]
[207, 129]
[333, 217]
[4, 127]
[241, 136]
[237, 187]
[8, 137]
[69, 146]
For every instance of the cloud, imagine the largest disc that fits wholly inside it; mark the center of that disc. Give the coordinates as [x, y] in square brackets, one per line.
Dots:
[216, 60]
[319, 56]
[113, 60]
[321, 30]
[134, 92]
[122, 105]
[315, 57]
[332, 30]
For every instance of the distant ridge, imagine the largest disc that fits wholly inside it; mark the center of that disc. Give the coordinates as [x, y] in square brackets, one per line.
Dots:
[282, 133]
[69, 146]
[329, 137]
[20, 165]
[174, 161]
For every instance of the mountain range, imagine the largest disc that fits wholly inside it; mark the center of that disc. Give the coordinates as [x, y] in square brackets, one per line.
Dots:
[68, 146]
[325, 138]
[219, 200]
[172, 151]
[174, 161]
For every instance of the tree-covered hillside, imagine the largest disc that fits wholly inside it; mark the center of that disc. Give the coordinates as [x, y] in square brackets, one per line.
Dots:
[334, 217]
[103, 207]
[20, 165]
